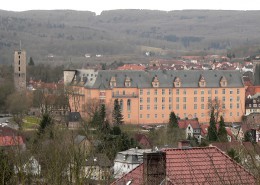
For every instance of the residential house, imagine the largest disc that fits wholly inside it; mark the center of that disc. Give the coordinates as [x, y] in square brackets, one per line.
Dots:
[252, 105]
[143, 141]
[30, 166]
[74, 120]
[98, 168]
[11, 138]
[126, 161]
[173, 166]
[191, 127]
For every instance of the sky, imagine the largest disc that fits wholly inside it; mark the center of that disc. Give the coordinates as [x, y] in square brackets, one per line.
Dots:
[99, 5]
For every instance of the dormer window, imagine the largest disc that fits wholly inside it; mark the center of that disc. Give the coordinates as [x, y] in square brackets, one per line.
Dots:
[128, 82]
[113, 82]
[177, 82]
[202, 81]
[223, 82]
[155, 82]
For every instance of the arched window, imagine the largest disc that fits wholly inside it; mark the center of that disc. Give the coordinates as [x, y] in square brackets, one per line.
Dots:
[129, 105]
[121, 104]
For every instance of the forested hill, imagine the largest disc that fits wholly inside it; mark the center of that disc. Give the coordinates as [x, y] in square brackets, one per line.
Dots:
[67, 33]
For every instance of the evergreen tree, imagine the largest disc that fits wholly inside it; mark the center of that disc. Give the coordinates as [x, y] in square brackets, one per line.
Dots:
[117, 115]
[45, 122]
[232, 153]
[248, 136]
[222, 132]
[31, 62]
[173, 120]
[212, 130]
[103, 114]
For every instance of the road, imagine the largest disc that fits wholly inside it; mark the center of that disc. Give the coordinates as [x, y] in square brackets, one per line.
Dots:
[10, 124]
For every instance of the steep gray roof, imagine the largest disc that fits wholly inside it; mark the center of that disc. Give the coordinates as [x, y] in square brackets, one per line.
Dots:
[143, 79]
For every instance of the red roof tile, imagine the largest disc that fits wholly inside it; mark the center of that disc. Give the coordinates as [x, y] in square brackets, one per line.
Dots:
[184, 123]
[206, 166]
[11, 140]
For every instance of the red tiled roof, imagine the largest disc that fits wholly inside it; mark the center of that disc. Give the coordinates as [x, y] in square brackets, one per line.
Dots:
[11, 140]
[206, 166]
[184, 123]
[131, 67]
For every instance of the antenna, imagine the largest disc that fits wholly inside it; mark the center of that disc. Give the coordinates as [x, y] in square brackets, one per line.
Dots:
[20, 45]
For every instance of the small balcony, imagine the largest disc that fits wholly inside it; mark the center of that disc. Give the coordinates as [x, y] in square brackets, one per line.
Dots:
[126, 95]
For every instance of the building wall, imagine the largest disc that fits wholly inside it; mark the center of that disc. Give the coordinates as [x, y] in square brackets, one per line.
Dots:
[153, 105]
[20, 70]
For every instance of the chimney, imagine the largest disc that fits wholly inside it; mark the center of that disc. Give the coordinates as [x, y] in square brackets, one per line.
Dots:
[183, 144]
[154, 167]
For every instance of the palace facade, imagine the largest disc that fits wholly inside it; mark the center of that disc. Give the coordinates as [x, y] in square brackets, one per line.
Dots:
[148, 97]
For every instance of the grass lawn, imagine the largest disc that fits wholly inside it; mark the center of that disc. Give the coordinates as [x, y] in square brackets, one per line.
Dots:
[30, 122]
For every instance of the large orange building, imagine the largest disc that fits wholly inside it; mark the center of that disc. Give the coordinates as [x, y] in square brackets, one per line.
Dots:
[148, 97]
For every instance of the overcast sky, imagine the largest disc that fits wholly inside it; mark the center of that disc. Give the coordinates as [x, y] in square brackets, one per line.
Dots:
[99, 5]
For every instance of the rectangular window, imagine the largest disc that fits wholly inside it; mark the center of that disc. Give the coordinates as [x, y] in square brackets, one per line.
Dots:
[223, 99]
[195, 106]
[216, 91]
[170, 107]
[223, 106]
[177, 91]
[141, 100]
[155, 107]
[148, 116]
[195, 99]
[223, 91]
[177, 99]
[202, 115]
[202, 91]
[155, 92]
[162, 115]
[177, 106]
[148, 100]
[148, 92]
[155, 100]
[184, 106]
[170, 99]
[195, 92]
[155, 116]
[163, 91]
[184, 99]
[163, 99]
[148, 107]
[202, 106]
[238, 99]
[238, 91]
[170, 91]
[129, 116]
[231, 92]
[209, 91]
[231, 99]
[163, 107]
[141, 107]
[141, 91]
[202, 99]
[238, 105]
[231, 105]
[230, 114]
[238, 114]
[184, 91]
[141, 116]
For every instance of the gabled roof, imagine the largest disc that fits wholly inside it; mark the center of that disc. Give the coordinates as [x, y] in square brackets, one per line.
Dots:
[100, 160]
[185, 123]
[206, 165]
[11, 141]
